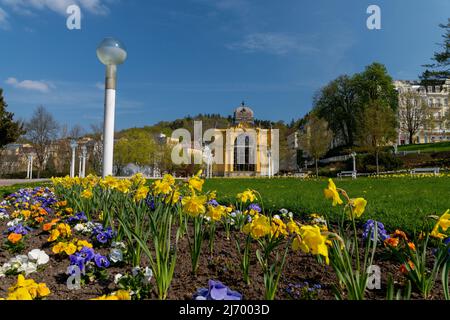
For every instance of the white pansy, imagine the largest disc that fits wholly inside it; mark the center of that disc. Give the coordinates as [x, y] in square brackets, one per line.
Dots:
[79, 227]
[116, 255]
[135, 271]
[14, 222]
[38, 256]
[28, 268]
[277, 217]
[117, 278]
[148, 274]
[119, 245]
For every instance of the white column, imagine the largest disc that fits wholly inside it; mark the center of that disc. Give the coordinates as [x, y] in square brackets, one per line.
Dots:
[28, 167]
[31, 168]
[108, 133]
[80, 166]
[72, 164]
[83, 174]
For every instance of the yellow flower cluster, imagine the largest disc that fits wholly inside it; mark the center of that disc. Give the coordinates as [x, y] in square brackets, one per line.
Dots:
[61, 231]
[119, 295]
[27, 289]
[70, 248]
[247, 196]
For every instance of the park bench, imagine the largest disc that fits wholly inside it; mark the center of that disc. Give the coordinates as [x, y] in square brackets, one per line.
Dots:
[347, 174]
[434, 171]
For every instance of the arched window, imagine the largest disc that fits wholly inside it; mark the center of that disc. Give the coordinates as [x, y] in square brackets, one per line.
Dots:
[244, 154]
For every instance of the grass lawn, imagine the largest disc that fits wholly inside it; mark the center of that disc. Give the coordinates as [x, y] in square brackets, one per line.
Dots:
[397, 202]
[426, 147]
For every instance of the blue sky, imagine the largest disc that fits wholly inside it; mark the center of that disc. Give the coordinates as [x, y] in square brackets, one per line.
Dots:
[203, 56]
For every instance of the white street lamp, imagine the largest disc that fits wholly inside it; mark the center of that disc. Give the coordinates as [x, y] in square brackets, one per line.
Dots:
[84, 155]
[111, 53]
[30, 167]
[73, 145]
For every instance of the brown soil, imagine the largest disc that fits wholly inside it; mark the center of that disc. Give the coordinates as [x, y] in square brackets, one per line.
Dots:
[223, 265]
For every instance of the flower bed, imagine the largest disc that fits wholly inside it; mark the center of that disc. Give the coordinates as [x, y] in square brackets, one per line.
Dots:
[113, 239]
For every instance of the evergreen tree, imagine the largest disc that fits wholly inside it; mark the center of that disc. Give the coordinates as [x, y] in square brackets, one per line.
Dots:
[440, 69]
[10, 130]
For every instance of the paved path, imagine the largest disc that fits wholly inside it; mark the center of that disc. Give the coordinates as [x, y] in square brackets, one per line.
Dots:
[17, 181]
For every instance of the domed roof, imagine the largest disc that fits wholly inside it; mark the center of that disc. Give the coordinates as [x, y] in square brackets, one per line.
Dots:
[243, 113]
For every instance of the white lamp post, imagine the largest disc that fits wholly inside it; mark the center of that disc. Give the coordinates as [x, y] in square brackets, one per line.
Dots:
[269, 157]
[30, 167]
[84, 155]
[111, 53]
[73, 145]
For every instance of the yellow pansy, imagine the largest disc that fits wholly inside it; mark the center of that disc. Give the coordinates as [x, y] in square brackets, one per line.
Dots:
[332, 193]
[83, 243]
[54, 235]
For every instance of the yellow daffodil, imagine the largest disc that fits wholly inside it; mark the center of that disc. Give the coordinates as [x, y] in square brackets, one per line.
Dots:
[358, 206]
[196, 183]
[247, 196]
[258, 228]
[278, 228]
[442, 224]
[87, 194]
[141, 193]
[216, 213]
[332, 193]
[311, 240]
[293, 227]
[194, 205]
[162, 187]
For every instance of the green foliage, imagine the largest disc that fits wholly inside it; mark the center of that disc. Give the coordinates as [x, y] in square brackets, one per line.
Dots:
[343, 101]
[439, 70]
[10, 130]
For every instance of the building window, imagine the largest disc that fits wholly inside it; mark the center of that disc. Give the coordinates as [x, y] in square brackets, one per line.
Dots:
[244, 154]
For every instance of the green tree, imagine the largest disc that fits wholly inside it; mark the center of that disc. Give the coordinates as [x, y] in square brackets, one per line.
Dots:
[378, 128]
[136, 147]
[316, 139]
[337, 104]
[375, 83]
[440, 68]
[10, 130]
[343, 101]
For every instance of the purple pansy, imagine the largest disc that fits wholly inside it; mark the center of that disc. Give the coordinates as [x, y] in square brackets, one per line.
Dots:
[101, 261]
[217, 291]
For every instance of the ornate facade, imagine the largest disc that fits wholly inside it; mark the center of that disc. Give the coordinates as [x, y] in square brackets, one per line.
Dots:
[437, 99]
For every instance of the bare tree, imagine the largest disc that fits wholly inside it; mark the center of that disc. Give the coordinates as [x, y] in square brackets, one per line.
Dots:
[413, 113]
[316, 139]
[42, 130]
[76, 132]
[378, 128]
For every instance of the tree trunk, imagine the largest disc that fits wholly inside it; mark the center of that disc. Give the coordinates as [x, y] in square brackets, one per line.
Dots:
[317, 168]
[376, 159]
[411, 137]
